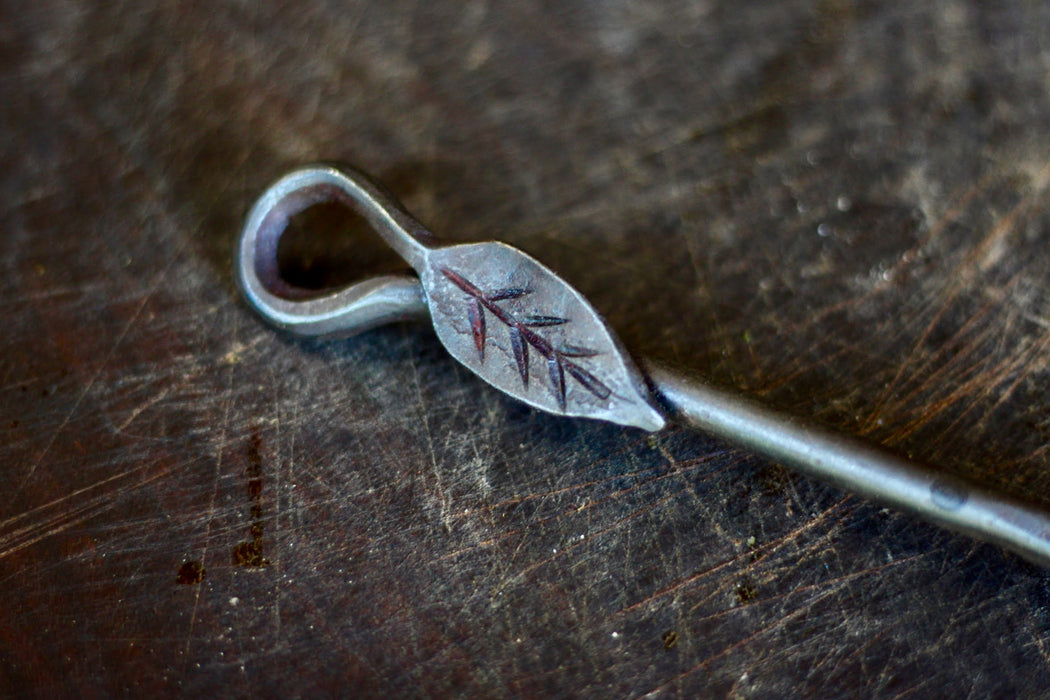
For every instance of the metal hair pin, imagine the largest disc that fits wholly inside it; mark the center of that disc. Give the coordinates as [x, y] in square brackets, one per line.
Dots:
[525, 331]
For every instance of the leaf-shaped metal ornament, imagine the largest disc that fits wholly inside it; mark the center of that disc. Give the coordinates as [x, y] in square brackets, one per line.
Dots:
[507, 317]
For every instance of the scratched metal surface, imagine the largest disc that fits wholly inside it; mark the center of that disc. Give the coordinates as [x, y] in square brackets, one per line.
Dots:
[838, 205]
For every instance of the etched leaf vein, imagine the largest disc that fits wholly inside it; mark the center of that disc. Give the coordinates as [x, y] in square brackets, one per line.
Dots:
[522, 336]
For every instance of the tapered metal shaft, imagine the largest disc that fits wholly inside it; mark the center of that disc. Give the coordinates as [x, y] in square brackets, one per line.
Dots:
[855, 465]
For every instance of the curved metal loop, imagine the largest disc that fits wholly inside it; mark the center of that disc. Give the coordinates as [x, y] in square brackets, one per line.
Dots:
[366, 304]
[538, 318]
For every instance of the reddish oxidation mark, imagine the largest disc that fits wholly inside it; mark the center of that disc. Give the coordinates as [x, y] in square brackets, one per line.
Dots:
[249, 553]
[190, 573]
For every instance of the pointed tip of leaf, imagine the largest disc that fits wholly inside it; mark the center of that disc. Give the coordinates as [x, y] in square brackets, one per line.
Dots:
[649, 419]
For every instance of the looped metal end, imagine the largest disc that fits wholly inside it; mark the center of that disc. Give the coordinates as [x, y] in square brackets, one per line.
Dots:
[541, 326]
[366, 304]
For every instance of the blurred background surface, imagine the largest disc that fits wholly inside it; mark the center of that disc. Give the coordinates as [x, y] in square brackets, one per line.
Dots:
[839, 206]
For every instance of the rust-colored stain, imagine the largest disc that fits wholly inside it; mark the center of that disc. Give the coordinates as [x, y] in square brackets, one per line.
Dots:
[190, 573]
[249, 553]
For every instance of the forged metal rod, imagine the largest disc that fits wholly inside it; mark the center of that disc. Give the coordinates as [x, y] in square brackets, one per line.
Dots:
[522, 329]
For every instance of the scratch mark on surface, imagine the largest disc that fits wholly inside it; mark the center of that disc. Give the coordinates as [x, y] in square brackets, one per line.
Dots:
[276, 471]
[214, 495]
[675, 587]
[161, 276]
[142, 407]
[521, 574]
[587, 505]
[830, 585]
[978, 258]
[431, 453]
[776, 624]
[70, 512]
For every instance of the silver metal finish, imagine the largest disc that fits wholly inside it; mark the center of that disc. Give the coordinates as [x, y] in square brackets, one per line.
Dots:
[357, 308]
[855, 465]
[528, 333]
[505, 316]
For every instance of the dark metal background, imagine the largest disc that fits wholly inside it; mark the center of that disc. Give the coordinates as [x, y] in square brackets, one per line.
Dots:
[837, 205]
